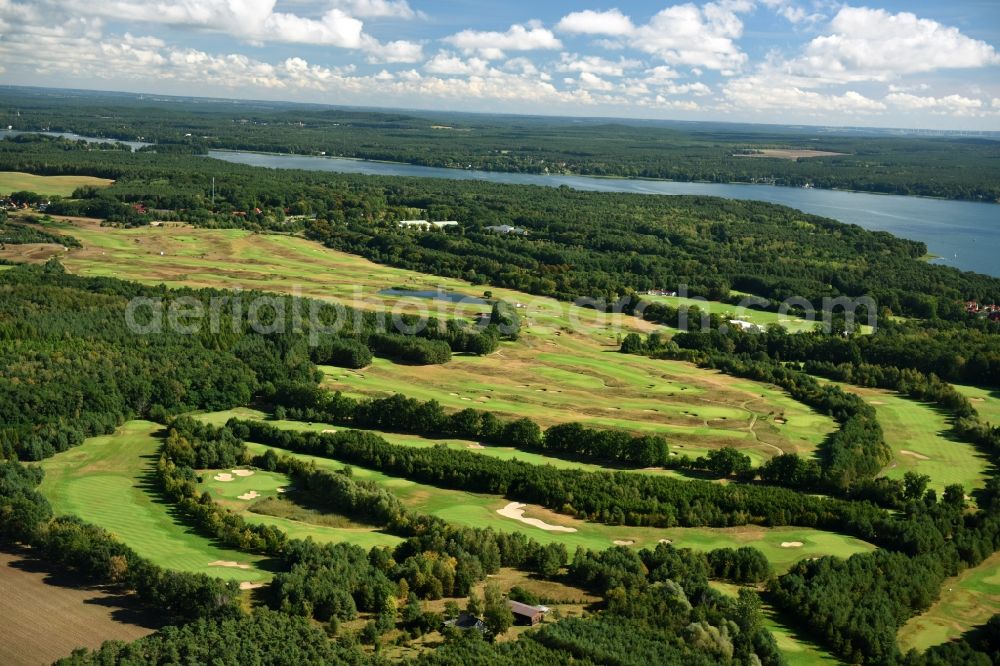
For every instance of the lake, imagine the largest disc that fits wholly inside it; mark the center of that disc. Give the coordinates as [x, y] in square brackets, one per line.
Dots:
[963, 234]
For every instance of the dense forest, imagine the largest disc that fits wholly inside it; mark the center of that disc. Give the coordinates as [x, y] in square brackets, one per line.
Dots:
[69, 370]
[949, 167]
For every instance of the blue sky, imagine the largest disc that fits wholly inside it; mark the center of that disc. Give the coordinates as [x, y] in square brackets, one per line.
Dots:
[915, 64]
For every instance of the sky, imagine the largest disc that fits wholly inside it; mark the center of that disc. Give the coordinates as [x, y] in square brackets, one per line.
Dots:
[918, 64]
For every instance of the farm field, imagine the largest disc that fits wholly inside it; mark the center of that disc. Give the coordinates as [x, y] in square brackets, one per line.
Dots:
[47, 614]
[797, 649]
[478, 510]
[63, 186]
[920, 438]
[564, 368]
[967, 600]
[108, 481]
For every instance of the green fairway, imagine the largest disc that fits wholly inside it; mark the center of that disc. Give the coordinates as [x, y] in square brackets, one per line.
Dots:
[986, 402]
[564, 367]
[798, 649]
[761, 318]
[921, 440]
[63, 186]
[478, 510]
[967, 600]
[109, 481]
[235, 494]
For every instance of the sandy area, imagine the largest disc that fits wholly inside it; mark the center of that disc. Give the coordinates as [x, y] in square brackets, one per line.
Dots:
[243, 472]
[623, 542]
[791, 544]
[329, 431]
[515, 510]
[247, 585]
[223, 476]
[476, 446]
[875, 402]
[229, 564]
[913, 454]
[253, 494]
[665, 541]
[282, 489]
[789, 153]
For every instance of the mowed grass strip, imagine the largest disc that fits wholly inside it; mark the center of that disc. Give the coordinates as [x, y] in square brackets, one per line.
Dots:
[797, 649]
[109, 481]
[921, 440]
[480, 510]
[63, 186]
[47, 614]
[967, 600]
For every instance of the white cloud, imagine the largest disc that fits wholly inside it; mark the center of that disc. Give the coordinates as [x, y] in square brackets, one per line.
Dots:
[611, 23]
[378, 8]
[492, 45]
[387, 52]
[594, 82]
[449, 64]
[761, 92]
[696, 36]
[661, 74]
[595, 65]
[956, 105]
[874, 45]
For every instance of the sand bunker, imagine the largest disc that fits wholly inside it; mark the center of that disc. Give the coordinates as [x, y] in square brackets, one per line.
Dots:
[230, 564]
[791, 544]
[253, 494]
[667, 541]
[245, 585]
[515, 510]
[223, 476]
[623, 542]
[913, 454]
[476, 446]
[243, 472]
[329, 431]
[282, 490]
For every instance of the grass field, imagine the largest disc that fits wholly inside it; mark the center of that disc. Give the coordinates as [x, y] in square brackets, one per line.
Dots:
[501, 452]
[108, 481]
[63, 186]
[47, 614]
[760, 317]
[797, 649]
[920, 437]
[564, 367]
[967, 600]
[986, 402]
[478, 510]
[266, 484]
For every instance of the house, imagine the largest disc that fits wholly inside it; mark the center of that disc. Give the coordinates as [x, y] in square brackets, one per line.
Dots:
[507, 229]
[466, 621]
[525, 614]
[745, 326]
